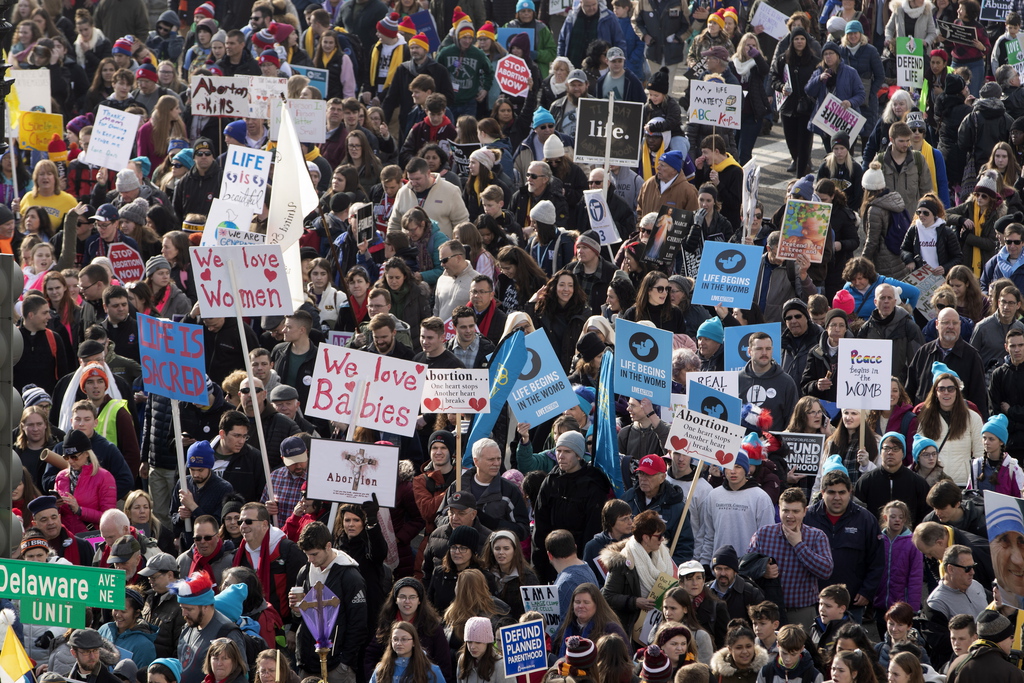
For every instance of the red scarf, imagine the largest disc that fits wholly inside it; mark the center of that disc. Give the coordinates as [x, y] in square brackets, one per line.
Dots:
[70, 550]
[434, 130]
[263, 573]
[358, 309]
[201, 563]
[159, 305]
[484, 324]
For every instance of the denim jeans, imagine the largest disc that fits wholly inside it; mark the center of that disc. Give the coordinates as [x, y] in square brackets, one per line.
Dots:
[750, 128]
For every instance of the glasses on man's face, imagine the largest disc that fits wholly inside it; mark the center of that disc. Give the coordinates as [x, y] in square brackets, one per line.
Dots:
[891, 449]
[480, 292]
[247, 522]
[1013, 241]
[595, 183]
[245, 390]
[966, 567]
[533, 176]
[445, 260]
[546, 126]
[204, 154]
[236, 435]
[204, 539]
[757, 216]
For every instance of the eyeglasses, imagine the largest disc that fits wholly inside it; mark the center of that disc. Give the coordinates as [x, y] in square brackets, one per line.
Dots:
[1013, 241]
[644, 231]
[259, 390]
[204, 154]
[945, 390]
[659, 288]
[794, 317]
[595, 183]
[401, 641]
[758, 216]
[924, 212]
[891, 449]
[534, 176]
[479, 292]
[204, 539]
[74, 457]
[546, 126]
[458, 549]
[445, 260]
[176, 165]
[815, 413]
[966, 567]
[407, 598]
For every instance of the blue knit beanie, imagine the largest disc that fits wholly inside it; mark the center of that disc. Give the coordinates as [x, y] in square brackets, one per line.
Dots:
[997, 426]
[541, 117]
[712, 329]
[922, 442]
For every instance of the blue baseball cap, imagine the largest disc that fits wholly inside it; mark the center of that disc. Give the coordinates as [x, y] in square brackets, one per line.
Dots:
[106, 213]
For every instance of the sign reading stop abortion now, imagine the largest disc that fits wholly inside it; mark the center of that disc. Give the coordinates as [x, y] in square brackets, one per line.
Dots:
[864, 376]
[173, 359]
[512, 75]
[260, 272]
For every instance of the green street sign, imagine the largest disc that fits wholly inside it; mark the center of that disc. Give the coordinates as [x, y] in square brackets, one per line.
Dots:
[87, 586]
[47, 613]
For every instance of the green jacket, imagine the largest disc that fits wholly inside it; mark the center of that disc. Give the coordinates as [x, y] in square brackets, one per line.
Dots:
[470, 70]
[545, 48]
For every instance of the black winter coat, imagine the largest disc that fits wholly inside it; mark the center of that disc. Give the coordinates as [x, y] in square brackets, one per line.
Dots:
[572, 502]
[195, 193]
[276, 428]
[1007, 386]
[947, 247]
[819, 363]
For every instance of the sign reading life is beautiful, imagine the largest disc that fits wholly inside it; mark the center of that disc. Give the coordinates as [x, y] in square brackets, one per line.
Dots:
[456, 391]
[864, 374]
[220, 96]
[643, 360]
[592, 132]
[706, 438]
[173, 359]
[346, 472]
[262, 281]
[245, 176]
[309, 117]
[833, 118]
[727, 275]
[737, 344]
[716, 104]
[113, 136]
[391, 399]
[542, 391]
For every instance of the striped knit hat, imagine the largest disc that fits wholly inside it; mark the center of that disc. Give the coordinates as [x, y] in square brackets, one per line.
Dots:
[656, 668]
[421, 40]
[263, 39]
[204, 11]
[580, 652]
[388, 26]
[122, 46]
[488, 30]
[270, 57]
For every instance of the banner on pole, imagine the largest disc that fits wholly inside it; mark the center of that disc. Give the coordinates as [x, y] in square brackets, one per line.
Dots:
[542, 391]
[909, 63]
[592, 137]
[36, 129]
[601, 217]
[706, 438]
[173, 359]
[262, 281]
[718, 404]
[523, 649]
[244, 180]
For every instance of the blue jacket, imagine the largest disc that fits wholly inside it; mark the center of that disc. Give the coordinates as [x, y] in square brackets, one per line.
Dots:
[857, 552]
[864, 304]
[669, 505]
[437, 238]
[608, 29]
[138, 640]
[346, 241]
[634, 48]
[633, 87]
[401, 663]
[847, 87]
[866, 62]
[997, 266]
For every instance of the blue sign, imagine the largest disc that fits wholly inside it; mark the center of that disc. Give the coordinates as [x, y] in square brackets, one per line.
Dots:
[508, 359]
[543, 391]
[505, 33]
[643, 362]
[736, 343]
[522, 648]
[727, 275]
[707, 401]
[317, 77]
[424, 23]
[173, 359]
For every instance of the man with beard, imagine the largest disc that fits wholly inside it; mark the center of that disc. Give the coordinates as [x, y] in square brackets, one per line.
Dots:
[958, 355]
[203, 625]
[276, 427]
[204, 489]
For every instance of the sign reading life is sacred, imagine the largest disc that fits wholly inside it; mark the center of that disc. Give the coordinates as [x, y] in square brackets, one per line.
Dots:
[173, 359]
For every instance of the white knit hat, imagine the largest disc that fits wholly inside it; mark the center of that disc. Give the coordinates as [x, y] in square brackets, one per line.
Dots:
[543, 212]
[484, 157]
[987, 184]
[873, 178]
[553, 147]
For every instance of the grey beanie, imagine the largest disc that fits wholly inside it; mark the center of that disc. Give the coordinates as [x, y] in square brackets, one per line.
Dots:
[127, 180]
[156, 263]
[135, 211]
[573, 440]
[543, 212]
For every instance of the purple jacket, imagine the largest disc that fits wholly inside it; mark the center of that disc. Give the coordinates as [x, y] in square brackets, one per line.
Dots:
[902, 574]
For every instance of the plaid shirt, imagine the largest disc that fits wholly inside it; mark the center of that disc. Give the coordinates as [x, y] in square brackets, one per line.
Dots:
[287, 490]
[800, 566]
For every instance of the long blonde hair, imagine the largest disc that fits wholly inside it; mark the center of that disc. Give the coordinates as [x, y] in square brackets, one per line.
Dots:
[164, 126]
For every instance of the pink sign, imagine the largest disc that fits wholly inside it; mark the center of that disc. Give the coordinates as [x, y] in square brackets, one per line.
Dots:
[128, 265]
[513, 76]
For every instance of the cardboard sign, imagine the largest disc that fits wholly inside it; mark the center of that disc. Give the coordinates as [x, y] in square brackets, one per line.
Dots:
[226, 215]
[127, 263]
[173, 359]
[716, 104]
[346, 472]
[1004, 518]
[864, 375]
[227, 237]
[728, 275]
[263, 91]
[309, 117]
[805, 451]
[592, 134]
[33, 88]
[670, 229]
[737, 341]
[927, 281]
[706, 438]
[523, 648]
[392, 391]
[727, 382]
[245, 176]
[113, 138]
[804, 230]
[909, 63]
[834, 118]
[512, 75]
[262, 281]
[543, 599]
[643, 362]
[220, 96]
[35, 129]
[505, 34]
[601, 217]
[781, 97]
[771, 20]
[965, 35]
[707, 401]
[456, 391]
[542, 391]
[317, 77]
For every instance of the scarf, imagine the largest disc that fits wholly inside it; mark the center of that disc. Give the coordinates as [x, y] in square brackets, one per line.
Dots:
[557, 88]
[358, 309]
[648, 567]
[163, 298]
[742, 67]
[726, 163]
[201, 563]
[263, 573]
[976, 263]
[73, 477]
[398, 298]
[326, 57]
[648, 163]
[392, 66]
[308, 43]
[913, 12]
[483, 322]
[5, 246]
[422, 245]
[929, 158]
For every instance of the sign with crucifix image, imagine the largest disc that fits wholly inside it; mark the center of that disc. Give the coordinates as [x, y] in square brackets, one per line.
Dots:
[348, 472]
[319, 609]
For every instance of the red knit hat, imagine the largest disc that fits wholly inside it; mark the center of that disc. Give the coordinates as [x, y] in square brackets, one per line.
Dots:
[204, 11]
[270, 57]
[488, 30]
[281, 31]
[147, 71]
[421, 40]
[388, 26]
[407, 27]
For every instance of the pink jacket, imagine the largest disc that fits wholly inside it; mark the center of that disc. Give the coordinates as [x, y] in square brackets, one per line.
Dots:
[95, 495]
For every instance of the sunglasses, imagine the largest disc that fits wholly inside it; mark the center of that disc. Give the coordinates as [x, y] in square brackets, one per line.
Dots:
[259, 390]
[966, 567]
[204, 539]
[923, 212]
[794, 317]
[248, 521]
[445, 260]
[546, 126]
[204, 154]
[945, 390]
[660, 289]
[1013, 241]
[177, 166]
[74, 457]
[533, 176]
[645, 231]
[595, 183]
[757, 216]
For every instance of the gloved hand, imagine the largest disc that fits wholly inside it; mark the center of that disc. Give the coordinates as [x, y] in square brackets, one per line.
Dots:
[43, 641]
[371, 508]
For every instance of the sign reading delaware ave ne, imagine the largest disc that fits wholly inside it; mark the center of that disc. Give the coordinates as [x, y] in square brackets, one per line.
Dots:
[89, 586]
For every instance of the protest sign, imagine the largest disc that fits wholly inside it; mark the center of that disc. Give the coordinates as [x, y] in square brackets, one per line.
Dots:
[294, 196]
[36, 129]
[909, 63]
[220, 96]
[864, 374]
[716, 104]
[643, 360]
[173, 359]
[346, 472]
[363, 216]
[1015, 56]
[996, 10]
[592, 134]
[523, 648]
[339, 338]
[670, 230]
[542, 391]
[512, 75]
[127, 262]
[317, 77]
[804, 230]
[543, 599]
[706, 438]
[264, 91]
[504, 34]
[309, 117]
[227, 215]
[927, 281]
[424, 23]
[33, 87]
[650, 619]
[391, 399]
[781, 97]
[601, 216]
[707, 401]
[678, 401]
[245, 176]
[751, 183]
[771, 20]
[833, 118]
[459, 163]
[727, 275]
[727, 382]
[1004, 519]
[113, 137]
[263, 290]
[456, 391]
[805, 451]
[737, 342]
[228, 237]
[965, 35]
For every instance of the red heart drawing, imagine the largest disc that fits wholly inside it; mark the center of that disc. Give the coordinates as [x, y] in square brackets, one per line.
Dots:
[432, 404]
[271, 275]
[723, 458]
[420, 369]
[477, 403]
[350, 386]
[205, 275]
[679, 443]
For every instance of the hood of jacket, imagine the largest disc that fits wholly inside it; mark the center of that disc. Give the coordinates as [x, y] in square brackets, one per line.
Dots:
[990, 108]
[723, 665]
[890, 201]
[612, 558]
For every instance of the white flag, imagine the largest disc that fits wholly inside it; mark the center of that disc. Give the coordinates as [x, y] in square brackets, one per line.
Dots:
[293, 195]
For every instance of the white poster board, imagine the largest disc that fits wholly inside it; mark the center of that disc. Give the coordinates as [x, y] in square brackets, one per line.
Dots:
[220, 96]
[309, 117]
[716, 104]
[113, 137]
[33, 88]
[833, 118]
[543, 599]
[227, 215]
[259, 270]
[346, 472]
[864, 374]
[601, 216]
[771, 20]
[706, 438]
[245, 176]
[456, 391]
[262, 91]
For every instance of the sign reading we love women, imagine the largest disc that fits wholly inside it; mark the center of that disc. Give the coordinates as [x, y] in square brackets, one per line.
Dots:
[260, 272]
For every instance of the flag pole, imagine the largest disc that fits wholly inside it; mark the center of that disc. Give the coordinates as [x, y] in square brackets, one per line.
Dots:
[357, 405]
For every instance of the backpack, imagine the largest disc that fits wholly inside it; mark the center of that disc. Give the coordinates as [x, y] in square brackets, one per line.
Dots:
[899, 223]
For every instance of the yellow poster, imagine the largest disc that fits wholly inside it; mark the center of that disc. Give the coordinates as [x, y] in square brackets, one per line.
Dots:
[35, 129]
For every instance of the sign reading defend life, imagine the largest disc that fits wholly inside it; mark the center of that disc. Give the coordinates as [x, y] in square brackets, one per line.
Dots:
[864, 375]
[349, 472]
[909, 62]
[262, 280]
[643, 362]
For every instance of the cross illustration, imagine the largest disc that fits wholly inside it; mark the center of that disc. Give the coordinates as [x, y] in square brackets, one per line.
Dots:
[319, 607]
[359, 460]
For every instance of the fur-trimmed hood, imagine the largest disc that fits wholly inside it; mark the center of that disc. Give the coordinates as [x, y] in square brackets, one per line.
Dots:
[904, 6]
[612, 558]
[722, 664]
[406, 470]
